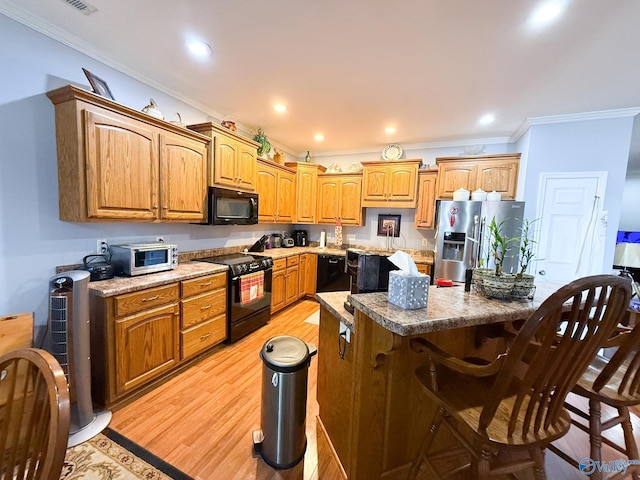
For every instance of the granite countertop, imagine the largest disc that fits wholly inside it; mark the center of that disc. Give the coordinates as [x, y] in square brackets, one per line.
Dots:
[184, 271]
[418, 256]
[188, 267]
[447, 308]
[334, 302]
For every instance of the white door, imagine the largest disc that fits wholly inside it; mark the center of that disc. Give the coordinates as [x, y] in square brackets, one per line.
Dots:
[571, 230]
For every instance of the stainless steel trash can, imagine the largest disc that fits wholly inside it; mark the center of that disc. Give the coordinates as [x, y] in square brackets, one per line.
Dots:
[282, 440]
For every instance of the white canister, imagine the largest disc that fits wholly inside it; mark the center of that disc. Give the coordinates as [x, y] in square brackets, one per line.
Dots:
[494, 196]
[323, 239]
[461, 194]
[479, 195]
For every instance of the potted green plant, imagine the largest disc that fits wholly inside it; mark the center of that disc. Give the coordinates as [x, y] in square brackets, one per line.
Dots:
[261, 138]
[493, 282]
[524, 281]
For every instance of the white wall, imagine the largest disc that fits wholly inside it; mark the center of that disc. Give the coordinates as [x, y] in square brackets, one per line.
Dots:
[630, 213]
[583, 146]
[33, 241]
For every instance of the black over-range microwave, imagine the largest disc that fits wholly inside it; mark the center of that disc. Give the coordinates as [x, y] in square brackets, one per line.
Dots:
[231, 207]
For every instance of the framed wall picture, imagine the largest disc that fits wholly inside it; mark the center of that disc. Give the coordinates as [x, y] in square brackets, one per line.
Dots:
[99, 85]
[389, 225]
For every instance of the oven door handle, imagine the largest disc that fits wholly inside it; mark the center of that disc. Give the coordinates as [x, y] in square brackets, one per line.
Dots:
[266, 271]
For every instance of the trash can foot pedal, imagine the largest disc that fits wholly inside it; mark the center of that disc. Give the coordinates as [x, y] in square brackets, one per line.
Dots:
[258, 438]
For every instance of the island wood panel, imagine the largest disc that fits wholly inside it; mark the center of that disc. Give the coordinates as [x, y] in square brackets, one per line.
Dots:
[336, 378]
[390, 412]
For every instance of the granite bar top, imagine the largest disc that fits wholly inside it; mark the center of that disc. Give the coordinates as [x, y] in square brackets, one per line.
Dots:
[448, 308]
[184, 271]
[334, 302]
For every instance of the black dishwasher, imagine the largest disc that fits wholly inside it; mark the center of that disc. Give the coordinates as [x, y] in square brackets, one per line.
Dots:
[331, 276]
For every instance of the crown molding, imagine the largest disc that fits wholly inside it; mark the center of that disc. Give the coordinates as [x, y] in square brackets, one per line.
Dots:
[573, 117]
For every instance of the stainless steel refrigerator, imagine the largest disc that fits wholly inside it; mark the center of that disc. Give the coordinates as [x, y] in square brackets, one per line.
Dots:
[462, 233]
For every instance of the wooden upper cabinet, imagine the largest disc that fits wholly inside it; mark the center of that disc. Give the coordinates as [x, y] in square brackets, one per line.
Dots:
[122, 180]
[390, 184]
[232, 158]
[306, 190]
[286, 198]
[488, 172]
[183, 173]
[276, 187]
[339, 197]
[116, 163]
[425, 210]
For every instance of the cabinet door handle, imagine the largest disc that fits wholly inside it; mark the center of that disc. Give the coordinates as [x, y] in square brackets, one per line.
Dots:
[205, 284]
[155, 297]
[165, 207]
[155, 207]
[205, 336]
[205, 308]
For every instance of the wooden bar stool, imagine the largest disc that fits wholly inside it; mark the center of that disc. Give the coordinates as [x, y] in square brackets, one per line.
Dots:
[506, 413]
[616, 383]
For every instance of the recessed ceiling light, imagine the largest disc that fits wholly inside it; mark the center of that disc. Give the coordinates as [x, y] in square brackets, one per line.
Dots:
[319, 137]
[390, 130]
[199, 49]
[280, 108]
[487, 119]
[546, 12]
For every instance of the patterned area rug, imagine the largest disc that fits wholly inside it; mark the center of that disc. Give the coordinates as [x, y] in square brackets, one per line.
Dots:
[110, 456]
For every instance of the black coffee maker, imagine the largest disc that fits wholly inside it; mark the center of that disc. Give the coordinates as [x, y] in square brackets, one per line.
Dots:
[301, 238]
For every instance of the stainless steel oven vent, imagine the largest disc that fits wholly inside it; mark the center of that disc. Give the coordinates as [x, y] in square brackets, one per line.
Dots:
[82, 7]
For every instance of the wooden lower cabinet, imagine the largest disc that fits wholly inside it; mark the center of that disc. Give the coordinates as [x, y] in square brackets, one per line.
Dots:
[138, 338]
[308, 269]
[146, 346]
[285, 282]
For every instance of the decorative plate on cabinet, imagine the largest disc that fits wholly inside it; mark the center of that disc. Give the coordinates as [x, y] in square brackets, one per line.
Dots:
[392, 152]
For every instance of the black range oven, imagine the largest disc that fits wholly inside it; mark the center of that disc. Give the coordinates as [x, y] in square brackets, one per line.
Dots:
[248, 292]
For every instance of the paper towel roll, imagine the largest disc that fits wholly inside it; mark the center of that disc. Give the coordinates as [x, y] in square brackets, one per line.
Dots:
[323, 239]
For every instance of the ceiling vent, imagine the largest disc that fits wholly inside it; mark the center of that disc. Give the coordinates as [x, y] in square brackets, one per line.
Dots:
[81, 6]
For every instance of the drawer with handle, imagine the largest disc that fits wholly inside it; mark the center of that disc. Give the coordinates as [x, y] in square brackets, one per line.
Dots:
[202, 307]
[203, 284]
[129, 303]
[201, 337]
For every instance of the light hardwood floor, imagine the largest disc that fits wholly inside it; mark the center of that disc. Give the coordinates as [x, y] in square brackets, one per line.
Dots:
[201, 421]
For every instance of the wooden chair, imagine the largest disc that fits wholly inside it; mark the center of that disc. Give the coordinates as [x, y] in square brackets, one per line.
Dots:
[614, 382]
[505, 413]
[34, 415]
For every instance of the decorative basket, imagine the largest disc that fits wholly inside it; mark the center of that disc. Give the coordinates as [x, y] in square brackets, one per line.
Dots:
[504, 287]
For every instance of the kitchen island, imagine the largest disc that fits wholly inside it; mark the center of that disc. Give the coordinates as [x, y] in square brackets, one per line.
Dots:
[371, 409]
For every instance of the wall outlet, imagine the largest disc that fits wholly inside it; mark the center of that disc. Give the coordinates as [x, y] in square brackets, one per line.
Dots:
[102, 246]
[160, 239]
[425, 242]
